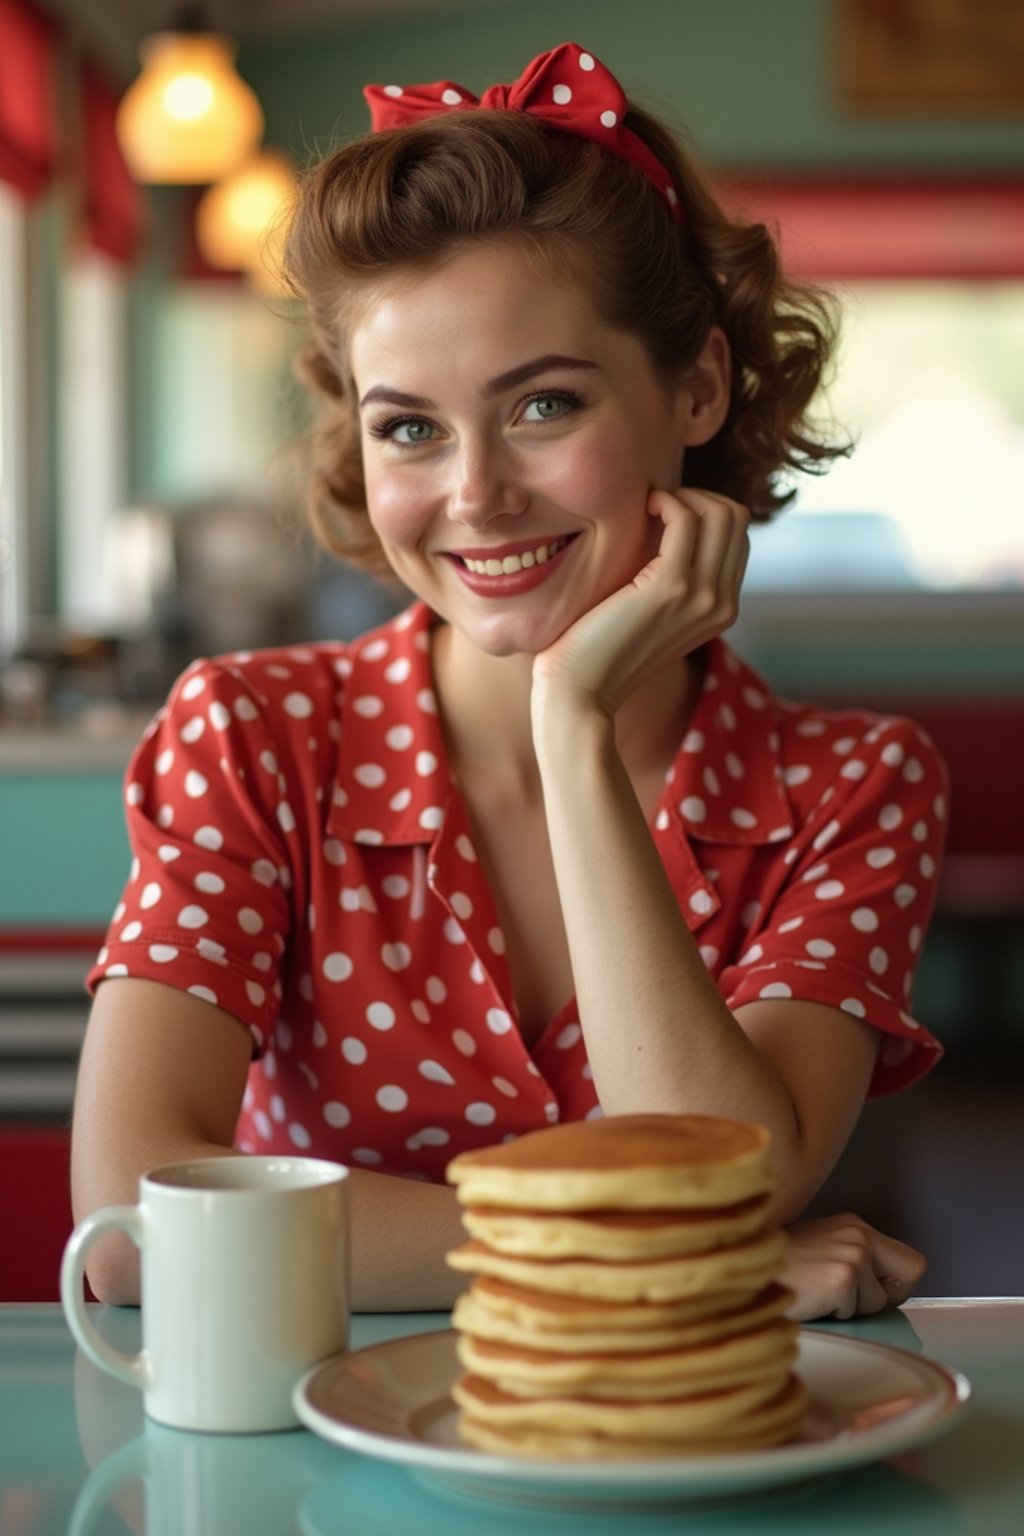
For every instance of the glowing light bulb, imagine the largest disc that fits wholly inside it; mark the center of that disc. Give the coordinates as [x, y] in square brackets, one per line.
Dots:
[240, 222]
[188, 117]
[188, 97]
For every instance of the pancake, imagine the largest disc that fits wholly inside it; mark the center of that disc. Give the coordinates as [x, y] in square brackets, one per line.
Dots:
[657, 1373]
[622, 1162]
[771, 1424]
[612, 1234]
[625, 1297]
[751, 1264]
[713, 1415]
[549, 1312]
[491, 1309]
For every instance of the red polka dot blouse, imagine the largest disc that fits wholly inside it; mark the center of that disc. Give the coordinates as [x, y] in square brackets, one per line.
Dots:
[303, 860]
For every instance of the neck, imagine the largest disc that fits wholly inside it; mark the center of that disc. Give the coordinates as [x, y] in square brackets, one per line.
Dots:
[485, 705]
[485, 708]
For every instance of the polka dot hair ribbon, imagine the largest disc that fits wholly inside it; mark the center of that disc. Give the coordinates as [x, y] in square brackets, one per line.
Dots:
[567, 88]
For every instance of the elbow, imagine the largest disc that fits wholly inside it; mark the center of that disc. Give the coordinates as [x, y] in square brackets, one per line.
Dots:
[112, 1291]
[786, 1206]
[799, 1179]
[112, 1272]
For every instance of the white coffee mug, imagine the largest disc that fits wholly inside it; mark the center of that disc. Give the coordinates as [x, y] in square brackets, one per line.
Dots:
[244, 1287]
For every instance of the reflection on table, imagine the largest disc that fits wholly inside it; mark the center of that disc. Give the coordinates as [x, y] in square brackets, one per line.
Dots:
[78, 1456]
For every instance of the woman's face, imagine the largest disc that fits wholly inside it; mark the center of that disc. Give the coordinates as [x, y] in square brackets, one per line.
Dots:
[510, 441]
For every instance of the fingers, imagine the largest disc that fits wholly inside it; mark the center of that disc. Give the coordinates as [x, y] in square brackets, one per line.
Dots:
[706, 546]
[841, 1267]
[900, 1268]
[684, 596]
[681, 529]
[831, 1283]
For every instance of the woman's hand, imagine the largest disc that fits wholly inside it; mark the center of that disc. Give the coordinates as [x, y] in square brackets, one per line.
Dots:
[682, 598]
[840, 1267]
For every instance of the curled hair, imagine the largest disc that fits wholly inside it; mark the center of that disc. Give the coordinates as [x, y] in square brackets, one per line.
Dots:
[409, 198]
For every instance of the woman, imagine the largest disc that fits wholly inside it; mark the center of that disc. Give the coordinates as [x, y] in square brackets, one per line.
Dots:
[543, 847]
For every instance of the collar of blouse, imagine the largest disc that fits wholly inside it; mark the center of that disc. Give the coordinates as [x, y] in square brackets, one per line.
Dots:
[393, 785]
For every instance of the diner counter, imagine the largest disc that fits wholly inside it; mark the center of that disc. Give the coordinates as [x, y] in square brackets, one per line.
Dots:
[78, 1458]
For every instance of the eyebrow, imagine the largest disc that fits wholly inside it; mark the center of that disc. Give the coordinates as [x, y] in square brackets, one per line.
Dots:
[496, 386]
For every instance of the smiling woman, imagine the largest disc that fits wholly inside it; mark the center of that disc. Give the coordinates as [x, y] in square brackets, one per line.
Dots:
[553, 458]
[543, 848]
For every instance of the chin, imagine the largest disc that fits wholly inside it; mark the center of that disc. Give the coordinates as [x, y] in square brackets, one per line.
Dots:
[512, 634]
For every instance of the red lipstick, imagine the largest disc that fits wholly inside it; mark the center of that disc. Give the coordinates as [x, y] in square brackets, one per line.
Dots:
[533, 562]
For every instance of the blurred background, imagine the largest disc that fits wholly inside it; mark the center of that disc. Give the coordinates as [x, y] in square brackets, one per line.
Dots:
[151, 470]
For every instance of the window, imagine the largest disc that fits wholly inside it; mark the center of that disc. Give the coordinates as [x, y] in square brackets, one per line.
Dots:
[94, 415]
[224, 359]
[13, 385]
[929, 384]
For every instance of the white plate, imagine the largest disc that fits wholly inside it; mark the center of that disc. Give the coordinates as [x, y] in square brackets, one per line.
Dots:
[867, 1401]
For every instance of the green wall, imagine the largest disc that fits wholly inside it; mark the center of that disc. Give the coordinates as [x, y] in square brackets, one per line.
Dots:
[755, 80]
[65, 849]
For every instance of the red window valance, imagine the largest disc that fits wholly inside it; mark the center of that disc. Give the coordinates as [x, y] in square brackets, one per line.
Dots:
[28, 108]
[114, 208]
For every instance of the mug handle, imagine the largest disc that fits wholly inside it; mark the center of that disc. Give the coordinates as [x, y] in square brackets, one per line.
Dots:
[136, 1370]
[128, 1464]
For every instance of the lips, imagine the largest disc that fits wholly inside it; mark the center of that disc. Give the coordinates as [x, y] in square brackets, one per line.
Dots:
[509, 559]
[508, 569]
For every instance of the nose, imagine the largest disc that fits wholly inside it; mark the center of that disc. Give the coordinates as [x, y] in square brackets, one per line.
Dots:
[485, 486]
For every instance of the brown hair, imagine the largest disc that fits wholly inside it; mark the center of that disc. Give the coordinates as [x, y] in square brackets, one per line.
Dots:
[411, 197]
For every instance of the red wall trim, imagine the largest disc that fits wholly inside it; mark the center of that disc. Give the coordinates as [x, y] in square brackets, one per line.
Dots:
[51, 940]
[888, 229]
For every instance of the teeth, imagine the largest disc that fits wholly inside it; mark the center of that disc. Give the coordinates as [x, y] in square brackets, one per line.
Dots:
[513, 563]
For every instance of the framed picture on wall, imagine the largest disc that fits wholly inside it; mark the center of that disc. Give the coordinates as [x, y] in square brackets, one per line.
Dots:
[931, 56]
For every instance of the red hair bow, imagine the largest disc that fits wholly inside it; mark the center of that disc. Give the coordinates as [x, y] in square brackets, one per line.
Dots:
[567, 88]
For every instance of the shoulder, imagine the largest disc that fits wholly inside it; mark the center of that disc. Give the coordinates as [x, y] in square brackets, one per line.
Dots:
[290, 683]
[831, 757]
[823, 753]
[288, 689]
[265, 720]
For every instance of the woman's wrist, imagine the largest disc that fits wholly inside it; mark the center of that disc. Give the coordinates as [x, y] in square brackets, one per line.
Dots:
[564, 720]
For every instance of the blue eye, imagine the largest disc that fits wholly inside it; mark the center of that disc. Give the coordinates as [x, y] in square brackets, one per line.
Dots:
[550, 405]
[405, 431]
[411, 431]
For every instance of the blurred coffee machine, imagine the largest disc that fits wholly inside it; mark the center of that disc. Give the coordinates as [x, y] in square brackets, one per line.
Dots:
[241, 578]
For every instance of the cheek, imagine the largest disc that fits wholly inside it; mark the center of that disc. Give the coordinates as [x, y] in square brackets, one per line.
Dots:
[599, 477]
[396, 511]
[610, 483]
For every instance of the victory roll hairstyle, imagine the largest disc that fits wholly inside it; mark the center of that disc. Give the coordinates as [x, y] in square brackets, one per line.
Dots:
[407, 199]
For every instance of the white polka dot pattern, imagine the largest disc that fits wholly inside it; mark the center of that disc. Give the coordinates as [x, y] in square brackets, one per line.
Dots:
[345, 918]
[566, 87]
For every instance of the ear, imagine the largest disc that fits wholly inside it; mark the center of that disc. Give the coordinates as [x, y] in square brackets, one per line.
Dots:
[705, 394]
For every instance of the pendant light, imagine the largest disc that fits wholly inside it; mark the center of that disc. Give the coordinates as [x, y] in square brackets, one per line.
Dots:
[240, 222]
[188, 117]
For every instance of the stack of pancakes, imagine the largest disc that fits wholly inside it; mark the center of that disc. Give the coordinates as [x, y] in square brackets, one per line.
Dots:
[625, 1298]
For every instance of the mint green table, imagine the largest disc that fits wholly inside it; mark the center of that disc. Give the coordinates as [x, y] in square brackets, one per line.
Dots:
[77, 1457]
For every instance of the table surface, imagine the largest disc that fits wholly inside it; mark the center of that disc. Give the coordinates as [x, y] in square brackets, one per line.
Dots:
[74, 1444]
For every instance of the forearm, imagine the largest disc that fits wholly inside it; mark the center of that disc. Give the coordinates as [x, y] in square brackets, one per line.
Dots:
[659, 1036]
[400, 1231]
[140, 1103]
[103, 1176]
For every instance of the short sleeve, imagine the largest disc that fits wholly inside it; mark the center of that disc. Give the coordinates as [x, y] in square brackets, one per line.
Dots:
[846, 924]
[206, 907]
